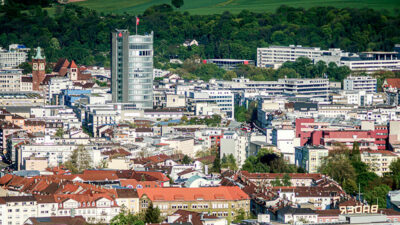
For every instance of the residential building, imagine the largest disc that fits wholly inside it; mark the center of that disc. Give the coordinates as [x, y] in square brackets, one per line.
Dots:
[10, 80]
[391, 86]
[360, 83]
[132, 69]
[310, 158]
[286, 141]
[175, 101]
[235, 143]
[223, 201]
[224, 100]
[378, 161]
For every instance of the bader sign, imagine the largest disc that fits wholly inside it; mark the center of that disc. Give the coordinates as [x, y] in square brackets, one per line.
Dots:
[358, 209]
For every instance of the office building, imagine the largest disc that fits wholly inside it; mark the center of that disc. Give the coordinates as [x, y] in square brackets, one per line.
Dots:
[370, 62]
[360, 83]
[309, 88]
[132, 69]
[275, 56]
[12, 58]
[209, 102]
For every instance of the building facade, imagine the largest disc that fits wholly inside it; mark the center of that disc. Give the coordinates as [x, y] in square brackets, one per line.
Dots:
[360, 83]
[132, 69]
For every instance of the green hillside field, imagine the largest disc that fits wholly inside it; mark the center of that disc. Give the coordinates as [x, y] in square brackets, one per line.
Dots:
[234, 6]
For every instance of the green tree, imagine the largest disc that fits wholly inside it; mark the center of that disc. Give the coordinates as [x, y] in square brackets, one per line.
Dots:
[79, 161]
[177, 3]
[186, 159]
[229, 75]
[286, 180]
[229, 162]
[377, 195]
[240, 113]
[240, 215]
[395, 171]
[59, 132]
[277, 182]
[216, 166]
[126, 218]
[152, 214]
[26, 67]
[339, 168]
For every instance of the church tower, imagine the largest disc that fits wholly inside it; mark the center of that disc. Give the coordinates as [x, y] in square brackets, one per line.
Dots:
[38, 69]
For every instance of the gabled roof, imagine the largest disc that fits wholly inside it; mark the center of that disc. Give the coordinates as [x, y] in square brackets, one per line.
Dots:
[61, 63]
[72, 64]
[393, 82]
[194, 194]
[66, 220]
[127, 193]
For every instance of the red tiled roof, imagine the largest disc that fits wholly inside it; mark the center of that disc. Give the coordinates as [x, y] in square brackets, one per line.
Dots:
[132, 183]
[393, 82]
[194, 194]
[314, 176]
[72, 64]
[383, 152]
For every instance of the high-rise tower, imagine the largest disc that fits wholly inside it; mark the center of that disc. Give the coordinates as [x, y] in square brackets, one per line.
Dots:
[132, 69]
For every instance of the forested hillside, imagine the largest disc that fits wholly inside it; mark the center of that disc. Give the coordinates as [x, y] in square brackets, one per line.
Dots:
[84, 35]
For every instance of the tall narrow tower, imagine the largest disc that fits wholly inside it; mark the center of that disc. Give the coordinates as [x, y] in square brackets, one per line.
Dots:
[38, 69]
[132, 69]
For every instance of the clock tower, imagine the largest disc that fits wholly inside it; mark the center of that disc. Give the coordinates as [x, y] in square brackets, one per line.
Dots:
[38, 69]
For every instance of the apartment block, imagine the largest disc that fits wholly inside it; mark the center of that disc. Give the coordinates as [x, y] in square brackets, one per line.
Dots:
[360, 83]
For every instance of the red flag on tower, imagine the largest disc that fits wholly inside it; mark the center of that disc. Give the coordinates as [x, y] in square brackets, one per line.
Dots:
[137, 20]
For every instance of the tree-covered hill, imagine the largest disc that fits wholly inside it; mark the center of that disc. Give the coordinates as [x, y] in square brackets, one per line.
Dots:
[84, 35]
[206, 7]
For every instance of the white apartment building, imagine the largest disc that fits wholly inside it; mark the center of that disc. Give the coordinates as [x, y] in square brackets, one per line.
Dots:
[236, 144]
[285, 141]
[309, 88]
[224, 99]
[12, 58]
[14, 210]
[10, 80]
[370, 62]
[55, 86]
[55, 153]
[360, 83]
[275, 56]
[378, 161]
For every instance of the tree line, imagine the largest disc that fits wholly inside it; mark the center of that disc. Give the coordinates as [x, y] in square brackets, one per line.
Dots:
[83, 34]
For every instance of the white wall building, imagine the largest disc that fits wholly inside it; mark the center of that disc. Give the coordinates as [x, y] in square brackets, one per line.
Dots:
[235, 144]
[285, 141]
[275, 56]
[360, 83]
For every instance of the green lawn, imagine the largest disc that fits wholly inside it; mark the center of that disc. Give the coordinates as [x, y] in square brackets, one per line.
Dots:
[218, 6]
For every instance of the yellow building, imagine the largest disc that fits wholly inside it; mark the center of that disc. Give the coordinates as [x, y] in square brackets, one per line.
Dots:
[224, 201]
[129, 199]
[378, 160]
